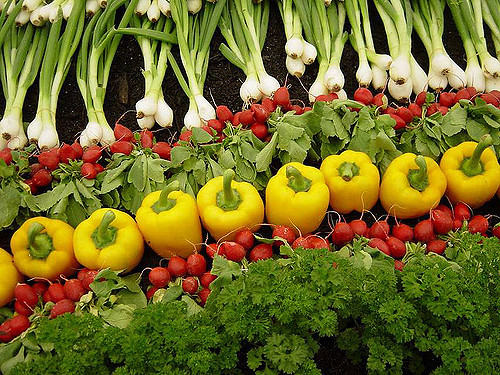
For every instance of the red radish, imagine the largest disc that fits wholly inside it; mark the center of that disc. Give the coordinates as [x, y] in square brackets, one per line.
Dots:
[478, 224]
[196, 265]
[389, 111]
[185, 136]
[190, 285]
[98, 168]
[282, 97]
[301, 242]
[159, 277]
[396, 247]
[326, 98]
[269, 105]
[177, 267]
[246, 118]
[32, 185]
[121, 147]
[211, 250]
[424, 231]
[402, 232]
[415, 109]
[35, 167]
[220, 138]
[206, 279]
[489, 99]
[19, 324]
[209, 130]
[443, 110]
[25, 293]
[163, 150]
[62, 307]
[151, 291]
[297, 108]
[203, 294]
[245, 238]
[447, 99]
[77, 147]
[261, 252]
[56, 292]
[284, 232]
[66, 153]
[46, 297]
[224, 113]
[146, 138]
[405, 114]
[123, 133]
[380, 229]
[457, 224]
[74, 290]
[5, 331]
[89, 278]
[39, 288]
[306, 109]
[400, 123]
[433, 108]
[260, 130]
[22, 308]
[461, 211]
[88, 171]
[81, 274]
[421, 98]
[445, 209]
[363, 95]
[342, 234]
[236, 119]
[436, 246]
[398, 265]
[317, 242]
[359, 228]
[216, 125]
[49, 159]
[378, 243]
[6, 155]
[42, 178]
[380, 100]
[260, 113]
[496, 231]
[442, 222]
[92, 155]
[234, 251]
[462, 94]
[495, 93]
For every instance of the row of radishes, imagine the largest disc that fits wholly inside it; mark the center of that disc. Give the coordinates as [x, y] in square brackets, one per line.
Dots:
[61, 296]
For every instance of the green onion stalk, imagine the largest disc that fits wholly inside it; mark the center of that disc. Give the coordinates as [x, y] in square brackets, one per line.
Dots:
[152, 108]
[21, 56]
[491, 16]
[98, 47]
[323, 25]
[61, 47]
[299, 52]
[194, 34]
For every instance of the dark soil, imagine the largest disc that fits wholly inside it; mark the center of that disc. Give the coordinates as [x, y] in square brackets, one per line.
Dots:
[126, 87]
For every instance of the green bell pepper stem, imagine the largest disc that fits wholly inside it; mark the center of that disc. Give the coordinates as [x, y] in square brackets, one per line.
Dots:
[39, 244]
[228, 198]
[164, 203]
[418, 178]
[348, 170]
[296, 181]
[105, 234]
[472, 166]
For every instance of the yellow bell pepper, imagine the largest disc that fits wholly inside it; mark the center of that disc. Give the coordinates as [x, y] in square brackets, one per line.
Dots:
[226, 206]
[472, 171]
[411, 186]
[43, 248]
[170, 223]
[109, 239]
[353, 181]
[9, 277]
[297, 196]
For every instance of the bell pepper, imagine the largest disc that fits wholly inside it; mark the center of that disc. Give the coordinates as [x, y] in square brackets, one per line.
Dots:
[170, 223]
[226, 205]
[472, 171]
[297, 196]
[353, 181]
[9, 277]
[411, 186]
[109, 239]
[43, 248]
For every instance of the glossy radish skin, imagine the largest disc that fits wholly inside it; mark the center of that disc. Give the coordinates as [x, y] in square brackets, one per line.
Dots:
[478, 224]
[342, 234]
[400, 123]
[363, 95]
[446, 209]
[442, 222]
[261, 252]
[206, 279]
[159, 277]
[224, 113]
[62, 307]
[359, 228]
[424, 231]
[196, 264]
[301, 242]
[282, 97]
[245, 238]
[177, 267]
[436, 246]
[74, 290]
[234, 251]
[405, 114]
[25, 293]
[284, 232]
[461, 212]
[56, 292]
[402, 232]
[380, 244]
[379, 229]
[190, 285]
[397, 247]
[203, 294]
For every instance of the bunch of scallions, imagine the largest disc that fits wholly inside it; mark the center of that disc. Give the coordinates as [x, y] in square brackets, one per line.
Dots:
[244, 26]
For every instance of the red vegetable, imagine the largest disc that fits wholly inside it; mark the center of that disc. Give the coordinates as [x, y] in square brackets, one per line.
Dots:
[436, 246]
[88, 171]
[260, 113]
[151, 291]
[49, 159]
[74, 290]
[190, 285]
[177, 267]
[284, 232]
[405, 114]
[269, 105]
[297, 108]
[496, 231]
[478, 224]
[66, 153]
[217, 125]
[447, 99]
[246, 118]
[342, 234]
[380, 229]
[301, 242]
[56, 292]
[461, 211]
[211, 250]
[6, 155]
[490, 99]
[402, 232]
[121, 147]
[123, 134]
[378, 243]
[19, 324]
[457, 224]
[224, 113]
[206, 279]
[260, 130]
[398, 265]
[260, 252]
[25, 293]
[400, 123]
[380, 100]
[146, 138]
[5, 331]
[92, 155]
[203, 294]
[359, 228]
[42, 178]
[415, 109]
[89, 278]
[442, 222]
[159, 277]
[363, 95]
[396, 247]
[39, 287]
[462, 94]
[196, 265]
[317, 242]
[245, 238]
[22, 308]
[98, 168]
[424, 231]
[433, 108]
[282, 97]
[185, 136]
[163, 150]
[62, 307]
[421, 98]
[77, 147]
[445, 209]
[35, 167]
[234, 251]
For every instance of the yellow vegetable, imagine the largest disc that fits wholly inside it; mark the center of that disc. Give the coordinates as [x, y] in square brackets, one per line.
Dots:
[225, 206]
[411, 186]
[170, 223]
[472, 171]
[353, 181]
[109, 238]
[43, 248]
[9, 277]
[297, 196]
